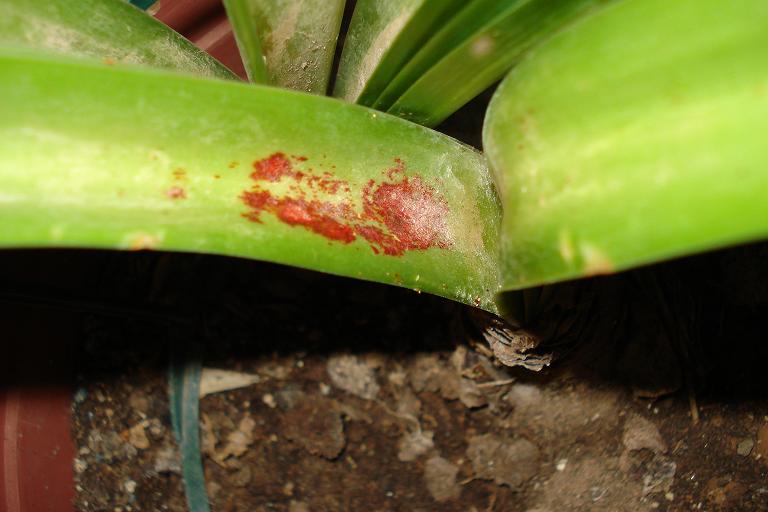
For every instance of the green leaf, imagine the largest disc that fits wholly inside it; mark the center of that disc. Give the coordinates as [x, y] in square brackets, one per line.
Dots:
[247, 38]
[484, 58]
[297, 37]
[471, 18]
[103, 156]
[110, 31]
[184, 373]
[382, 37]
[635, 136]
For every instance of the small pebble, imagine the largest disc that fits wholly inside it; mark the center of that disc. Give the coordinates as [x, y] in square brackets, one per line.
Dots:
[80, 465]
[156, 428]
[138, 401]
[440, 476]
[510, 462]
[137, 436]
[80, 395]
[353, 375]
[560, 466]
[167, 461]
[130, 486]
[269, 400]
[745, 447]
[298, 506]
[242, 477]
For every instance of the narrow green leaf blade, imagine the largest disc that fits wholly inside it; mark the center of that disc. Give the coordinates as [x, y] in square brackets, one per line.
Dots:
[382, 37]
[471, 18]
[184, 373]
[485, 57]
[297, 38]
[637, 135]
[111, 31]
[99, 156]
[247, 38]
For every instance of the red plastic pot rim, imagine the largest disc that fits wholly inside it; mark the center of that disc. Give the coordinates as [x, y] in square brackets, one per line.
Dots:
[36, 450]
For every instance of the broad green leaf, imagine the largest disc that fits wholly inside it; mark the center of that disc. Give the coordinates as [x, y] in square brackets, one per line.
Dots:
[382, 37]
[471, 18]
[635, 136]
[297, 38]
[484, 58]
[104, 156]
[111, 31]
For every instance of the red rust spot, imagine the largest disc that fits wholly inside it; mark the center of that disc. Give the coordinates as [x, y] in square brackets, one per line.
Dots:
[317, 216]
[273, 168]
[398, 214]
[298, 212]
[176, 193]
[398, 169]
[411, 211]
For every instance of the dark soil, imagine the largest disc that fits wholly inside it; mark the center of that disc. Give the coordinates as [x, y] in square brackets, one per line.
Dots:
[374, 398]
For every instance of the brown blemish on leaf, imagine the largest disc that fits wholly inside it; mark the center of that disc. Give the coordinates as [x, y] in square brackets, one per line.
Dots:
[176, 193]
[143, 241]
[595, 261]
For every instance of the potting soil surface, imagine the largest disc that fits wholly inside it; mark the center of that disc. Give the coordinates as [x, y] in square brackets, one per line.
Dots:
[354, 396]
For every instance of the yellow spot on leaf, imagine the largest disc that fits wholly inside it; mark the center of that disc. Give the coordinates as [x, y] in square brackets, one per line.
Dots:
[595, 261]
[565, 246]
[143, 241]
